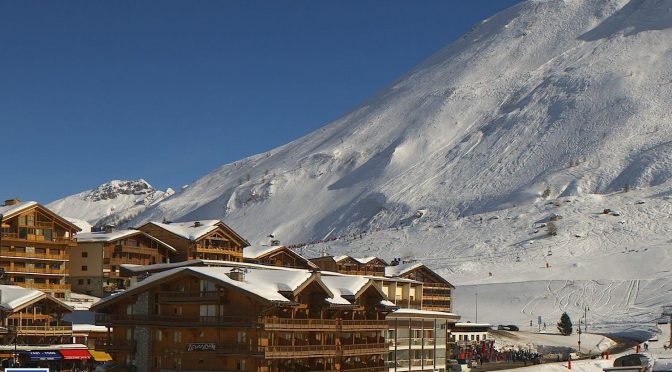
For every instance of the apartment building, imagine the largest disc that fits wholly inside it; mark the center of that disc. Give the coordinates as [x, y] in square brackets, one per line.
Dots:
[351, 265]
[250, 318]
[419, 340]
[436, 291]
[207, 239]
[95, 262]
[280, 256]
[31, 317]
[34, 247]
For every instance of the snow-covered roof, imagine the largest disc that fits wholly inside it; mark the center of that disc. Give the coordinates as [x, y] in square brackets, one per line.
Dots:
[402, 268]
[189, 230]
[259, 250]
[84, 225]
[266, 284]
[106, 237]
[88, 328]
[423, 313]
[361, 260]
[14, 297]
[344, 287]
[9, 210]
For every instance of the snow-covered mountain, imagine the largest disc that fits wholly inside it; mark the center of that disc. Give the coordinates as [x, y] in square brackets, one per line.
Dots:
[571, 96]
[114, 202]
[549, 109]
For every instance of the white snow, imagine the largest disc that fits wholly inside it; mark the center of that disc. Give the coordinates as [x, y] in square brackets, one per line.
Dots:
[10, 210]
[191, 230]
[12, 296]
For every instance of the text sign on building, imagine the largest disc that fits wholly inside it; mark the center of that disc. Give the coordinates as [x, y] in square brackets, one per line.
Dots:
[201, 347]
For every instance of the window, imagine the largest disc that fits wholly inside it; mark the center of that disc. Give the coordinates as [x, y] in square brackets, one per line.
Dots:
[177, 336]
[88, 281]
[240, 365]
[80, 281]
[242, 337]
[85, 254]
[159, 335]
[85, 268]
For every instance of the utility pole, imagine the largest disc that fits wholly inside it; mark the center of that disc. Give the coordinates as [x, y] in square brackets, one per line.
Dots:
[585, 317]
[579, 331]
[476, 307]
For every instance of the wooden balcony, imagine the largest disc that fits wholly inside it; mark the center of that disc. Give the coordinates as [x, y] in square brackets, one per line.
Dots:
[277, 324]
[117, 261]
[36, 270]
[364, 325]
[169, 297]
[136, 250]
[63, 256]
[43, 286]
[362, 349]
[175, 321]
[303, 351]
[42, 330]
[11, 237]
[229, 251]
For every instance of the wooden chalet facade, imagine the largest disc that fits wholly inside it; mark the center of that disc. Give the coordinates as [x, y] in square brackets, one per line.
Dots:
[32, 317]
[209, 239]
[219, 318]
[436, 291]
[34, 247]
[350, 265]
[279, 256]
[95, 262]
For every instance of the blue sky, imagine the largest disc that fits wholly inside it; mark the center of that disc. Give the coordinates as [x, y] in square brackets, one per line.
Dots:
[169, 90]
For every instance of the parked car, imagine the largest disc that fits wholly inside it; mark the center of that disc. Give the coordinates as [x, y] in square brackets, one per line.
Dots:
[509, 327]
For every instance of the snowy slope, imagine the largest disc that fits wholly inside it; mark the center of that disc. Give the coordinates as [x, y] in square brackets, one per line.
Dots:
[571, 95]
[112, 202]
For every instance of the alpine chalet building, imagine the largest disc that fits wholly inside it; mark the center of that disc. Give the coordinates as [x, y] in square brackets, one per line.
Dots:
[34, 247]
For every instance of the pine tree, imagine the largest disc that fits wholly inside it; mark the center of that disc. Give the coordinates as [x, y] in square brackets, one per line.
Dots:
[565, 325]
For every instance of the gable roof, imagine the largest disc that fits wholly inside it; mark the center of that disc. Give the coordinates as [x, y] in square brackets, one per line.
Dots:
[10, 211]
[259, 252]
[194, 230]
[405, 268]
[15, 298]
[100, 236]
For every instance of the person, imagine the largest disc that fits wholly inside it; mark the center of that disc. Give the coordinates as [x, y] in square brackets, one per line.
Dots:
[646, 346]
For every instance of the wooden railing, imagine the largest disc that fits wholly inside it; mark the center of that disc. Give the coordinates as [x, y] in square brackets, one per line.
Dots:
[191, 296]
[37, 270]
[299, 324]
[359, 349]
[180, 321]
[42, 330]
[364, 324]
[300, 351]
[367, 369]
[52, 286]
[7, 253]
[37, 238]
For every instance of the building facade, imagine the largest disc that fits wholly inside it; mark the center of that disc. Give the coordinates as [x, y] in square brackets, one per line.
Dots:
[279, 256]
[436, 291]
[255, 319]
[419, 340]
[208, 239]
[96, 261]
[34, 247]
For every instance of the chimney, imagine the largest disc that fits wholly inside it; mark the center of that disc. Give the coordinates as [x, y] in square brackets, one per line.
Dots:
[237, 274]
[109, 228]
[9, 202]
[197, 224]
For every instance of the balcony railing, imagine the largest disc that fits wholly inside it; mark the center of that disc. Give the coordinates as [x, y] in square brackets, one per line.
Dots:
[179, 321]
[37, 238]
[364, 324]
[299, 324]
[313, 351]
[61, 256]
[42, 330]
[190, 296]
[37, 270]
[367, 369]
[49, 286]
[359, 349]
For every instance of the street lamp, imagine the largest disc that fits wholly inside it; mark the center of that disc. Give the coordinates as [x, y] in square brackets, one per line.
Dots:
[476, 294]
[585, 317]
[579, 331]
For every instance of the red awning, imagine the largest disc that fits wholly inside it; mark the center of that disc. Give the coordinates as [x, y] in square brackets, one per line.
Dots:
[81, 354]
